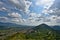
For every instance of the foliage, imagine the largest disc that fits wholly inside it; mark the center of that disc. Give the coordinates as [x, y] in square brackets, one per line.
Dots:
[41, 32]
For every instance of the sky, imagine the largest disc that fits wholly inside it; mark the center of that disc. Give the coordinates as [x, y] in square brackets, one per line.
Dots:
[30, 12]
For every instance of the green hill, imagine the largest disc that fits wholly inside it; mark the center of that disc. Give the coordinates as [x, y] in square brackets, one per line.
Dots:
[41, 32]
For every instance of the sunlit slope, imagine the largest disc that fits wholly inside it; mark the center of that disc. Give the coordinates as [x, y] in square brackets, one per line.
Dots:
[17, 36]
[42, 32]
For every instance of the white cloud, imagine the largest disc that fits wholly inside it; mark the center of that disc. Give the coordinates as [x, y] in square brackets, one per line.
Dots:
[52, 20]
[15, 18]
[45, 11]
[54, 11]
[33, 18]
[28, 4]
[3, 9]
[15, 1]
[34, 15]
[58, 20]
[15, 15]
[46, 3]
[20, 4]
[3, 19]
[1, 3]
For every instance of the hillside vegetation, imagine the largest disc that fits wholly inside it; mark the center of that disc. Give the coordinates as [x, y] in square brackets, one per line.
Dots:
[41, 32]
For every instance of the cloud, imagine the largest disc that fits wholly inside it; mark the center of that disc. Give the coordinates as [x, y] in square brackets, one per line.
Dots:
[55, 8]
[3, 9]
[14, 6]
[37, 19]
[46, 3]
[3, 19]
[52, 20]
[17, 10]
[55, 12]
[20, 4]
[58, 20]
[28, 4]
[56, 4]
[14, 15]
[34, 15]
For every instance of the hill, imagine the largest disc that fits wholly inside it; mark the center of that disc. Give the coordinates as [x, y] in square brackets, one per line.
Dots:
[56, 27]
[41, 32]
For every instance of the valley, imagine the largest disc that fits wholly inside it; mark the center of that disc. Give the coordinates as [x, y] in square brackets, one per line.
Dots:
[41, 32]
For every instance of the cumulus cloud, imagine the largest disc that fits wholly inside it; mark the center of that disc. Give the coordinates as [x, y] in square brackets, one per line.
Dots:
[20, 4]
[28, 4]
[56, 4]
[54, 12]
[3, 19]
[3, 9]
[14, 15]
[46, 3]
[50, 13]
[16, 4]
[54, 9]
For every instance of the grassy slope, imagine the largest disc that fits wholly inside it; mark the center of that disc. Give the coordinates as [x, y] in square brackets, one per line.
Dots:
[38, 33]
[17, 36]
[57, 34]
[31, 36]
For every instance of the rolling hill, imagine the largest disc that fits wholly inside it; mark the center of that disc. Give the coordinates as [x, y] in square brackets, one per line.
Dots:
[40, 32]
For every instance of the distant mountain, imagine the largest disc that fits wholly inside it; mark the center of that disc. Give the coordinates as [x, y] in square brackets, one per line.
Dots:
[8, 24]
[42, 26]
[56, 27]
[13, 25]
[42, 32]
